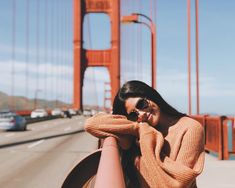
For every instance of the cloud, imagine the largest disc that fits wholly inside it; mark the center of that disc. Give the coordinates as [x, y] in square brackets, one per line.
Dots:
[56, 81]
[48, 78]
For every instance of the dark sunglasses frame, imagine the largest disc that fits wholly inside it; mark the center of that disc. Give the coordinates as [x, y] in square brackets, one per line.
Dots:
[141, 104]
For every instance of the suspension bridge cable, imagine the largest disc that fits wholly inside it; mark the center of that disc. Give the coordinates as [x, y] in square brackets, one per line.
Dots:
[64, 57]
[66, 49]
[62, 51]
[90, 46]
[37, 49]
[57, 53]
[27, 54]
[45, 50]
[52, 51]
[139, 42]
[13, 54]
[71, 47]
[59, 91]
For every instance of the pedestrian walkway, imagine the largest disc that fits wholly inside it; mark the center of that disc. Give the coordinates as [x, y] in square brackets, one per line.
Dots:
[217, 173]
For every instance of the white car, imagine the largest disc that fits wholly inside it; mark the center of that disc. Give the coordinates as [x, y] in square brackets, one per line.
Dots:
[87, 112]
[56, 112]
[72, 112]
[38, 113]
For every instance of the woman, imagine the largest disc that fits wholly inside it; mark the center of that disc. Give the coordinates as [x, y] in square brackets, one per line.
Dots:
[161, 147]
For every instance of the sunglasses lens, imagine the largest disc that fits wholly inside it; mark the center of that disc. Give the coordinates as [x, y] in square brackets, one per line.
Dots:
[133, 116]
[142, 104]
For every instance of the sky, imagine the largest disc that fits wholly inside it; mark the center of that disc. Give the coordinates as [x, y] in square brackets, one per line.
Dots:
[50, 53]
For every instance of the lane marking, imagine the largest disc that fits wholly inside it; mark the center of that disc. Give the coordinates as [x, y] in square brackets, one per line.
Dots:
[35, 143]
[10, 134]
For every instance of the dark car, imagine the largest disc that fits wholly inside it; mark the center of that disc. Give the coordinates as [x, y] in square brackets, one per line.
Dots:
[12, 121]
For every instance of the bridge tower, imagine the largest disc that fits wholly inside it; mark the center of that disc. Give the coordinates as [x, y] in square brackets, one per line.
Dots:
[84, 58]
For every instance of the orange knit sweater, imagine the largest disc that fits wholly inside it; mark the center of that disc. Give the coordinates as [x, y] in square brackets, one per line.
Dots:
[172, 159]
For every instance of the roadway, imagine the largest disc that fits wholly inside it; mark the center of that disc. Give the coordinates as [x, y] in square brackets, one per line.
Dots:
[43, 155]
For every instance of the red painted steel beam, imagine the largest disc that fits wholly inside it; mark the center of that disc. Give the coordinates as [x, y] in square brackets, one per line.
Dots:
[98, 58]
[77, 66]
[84, 58]
[109, 172]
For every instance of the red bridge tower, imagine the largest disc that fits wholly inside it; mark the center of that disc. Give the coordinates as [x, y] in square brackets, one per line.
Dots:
[83, 58]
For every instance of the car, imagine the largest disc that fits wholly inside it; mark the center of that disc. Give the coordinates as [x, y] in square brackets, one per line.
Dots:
[37, 113]
[72, 111]
[12, 121]
[57, 112]
[66, 114]
[87, 112]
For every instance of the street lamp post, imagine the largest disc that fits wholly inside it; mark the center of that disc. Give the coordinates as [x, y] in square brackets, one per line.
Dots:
[134, 18]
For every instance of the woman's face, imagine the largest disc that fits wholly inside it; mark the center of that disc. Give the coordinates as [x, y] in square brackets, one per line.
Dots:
[142, 110]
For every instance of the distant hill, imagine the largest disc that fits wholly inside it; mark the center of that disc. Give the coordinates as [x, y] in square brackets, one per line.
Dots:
[23, 103]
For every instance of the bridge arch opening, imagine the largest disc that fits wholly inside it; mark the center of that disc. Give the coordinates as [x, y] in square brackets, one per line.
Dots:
[96, 31]
[96, 88]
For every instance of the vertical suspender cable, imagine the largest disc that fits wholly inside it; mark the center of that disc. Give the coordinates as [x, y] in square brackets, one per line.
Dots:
[37, 51]
[27, 54]
[12, 106]
[62, 8]
[71, 47]
[57, 52]
[64, 53]
[67, 63]
[154, 17]
[139, 54]
[90, 46]
[197, 59]
[129, 46]
[189, 59]
[52, 52]
[65, 50]
[45, 50]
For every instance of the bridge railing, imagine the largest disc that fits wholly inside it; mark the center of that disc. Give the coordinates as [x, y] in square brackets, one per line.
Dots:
[219, 135]
[110, 172]
[229, 137]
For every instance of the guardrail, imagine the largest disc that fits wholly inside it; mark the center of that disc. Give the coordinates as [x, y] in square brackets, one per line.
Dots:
[229, 137]
[219, 135]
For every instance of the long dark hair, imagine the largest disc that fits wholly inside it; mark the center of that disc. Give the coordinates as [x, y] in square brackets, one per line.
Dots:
[137, 88]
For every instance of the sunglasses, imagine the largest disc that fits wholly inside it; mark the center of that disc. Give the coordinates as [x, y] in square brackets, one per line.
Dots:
[141, 104]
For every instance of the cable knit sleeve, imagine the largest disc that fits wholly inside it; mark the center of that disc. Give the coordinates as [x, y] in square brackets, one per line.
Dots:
[104, 125]
[159, 170]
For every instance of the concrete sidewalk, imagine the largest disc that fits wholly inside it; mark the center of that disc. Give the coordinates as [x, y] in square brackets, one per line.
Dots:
[217, 174]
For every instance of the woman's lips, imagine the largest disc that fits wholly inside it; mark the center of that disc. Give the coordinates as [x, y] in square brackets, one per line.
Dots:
[149, 115]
